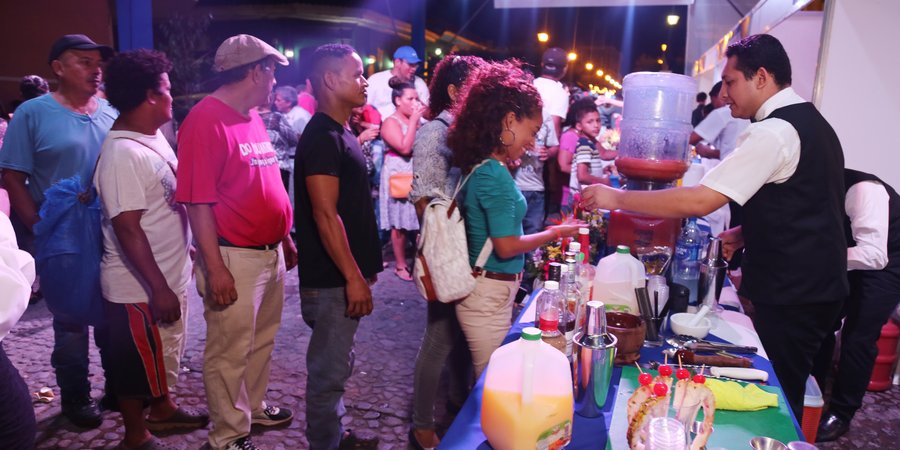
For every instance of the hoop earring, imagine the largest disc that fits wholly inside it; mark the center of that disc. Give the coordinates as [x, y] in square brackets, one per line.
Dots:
[511, 141]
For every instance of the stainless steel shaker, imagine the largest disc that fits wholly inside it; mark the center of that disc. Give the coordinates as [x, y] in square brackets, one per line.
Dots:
[593, 354]
[712, 274]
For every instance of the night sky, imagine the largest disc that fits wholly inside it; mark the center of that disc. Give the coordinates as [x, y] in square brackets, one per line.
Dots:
[599, 35]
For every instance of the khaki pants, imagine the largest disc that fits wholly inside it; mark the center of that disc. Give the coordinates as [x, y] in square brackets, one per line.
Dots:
[485, 316]
[172, 336]
[239, 340]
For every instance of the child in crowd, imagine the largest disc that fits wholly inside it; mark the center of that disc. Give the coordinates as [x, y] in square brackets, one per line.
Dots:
[590, 163]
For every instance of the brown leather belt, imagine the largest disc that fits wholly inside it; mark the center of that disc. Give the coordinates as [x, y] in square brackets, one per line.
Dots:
[497, 275]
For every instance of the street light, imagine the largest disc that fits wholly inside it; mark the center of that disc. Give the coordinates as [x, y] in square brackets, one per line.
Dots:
[572, 56]
[664, 47]
[659, 61]
[599, 73]
[288, 53]
[672, 19]
[543, 37]
[438, 51]
[589, 66]
[607, 78]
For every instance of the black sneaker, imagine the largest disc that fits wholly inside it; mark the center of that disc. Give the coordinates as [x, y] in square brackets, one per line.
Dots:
[271, 416]
[243, 443]
[84, 414]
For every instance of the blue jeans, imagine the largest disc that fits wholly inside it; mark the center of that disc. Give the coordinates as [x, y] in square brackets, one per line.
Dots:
[329, 362]
[70, 360]
[534, 215]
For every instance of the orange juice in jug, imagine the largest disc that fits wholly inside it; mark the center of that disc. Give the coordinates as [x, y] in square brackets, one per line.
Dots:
[527, 401]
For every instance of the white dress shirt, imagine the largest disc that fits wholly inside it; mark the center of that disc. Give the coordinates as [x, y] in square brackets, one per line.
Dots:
[867, 206]
[768, 151]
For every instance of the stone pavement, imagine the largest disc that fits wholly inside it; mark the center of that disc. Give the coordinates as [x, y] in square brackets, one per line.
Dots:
[378, 397]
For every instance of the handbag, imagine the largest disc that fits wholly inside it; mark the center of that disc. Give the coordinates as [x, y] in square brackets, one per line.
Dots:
[441, 268]
[400, 185]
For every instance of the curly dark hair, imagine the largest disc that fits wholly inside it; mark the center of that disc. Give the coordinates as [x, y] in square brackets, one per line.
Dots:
[452, 70]
[397, 87]
[31, 86]
[492, 91]
[129, 75]
[322, 61]
[762, 50]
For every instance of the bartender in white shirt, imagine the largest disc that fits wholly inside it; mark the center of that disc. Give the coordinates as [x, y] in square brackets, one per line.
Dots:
[17, 422]
[787, 173]
[873, 261]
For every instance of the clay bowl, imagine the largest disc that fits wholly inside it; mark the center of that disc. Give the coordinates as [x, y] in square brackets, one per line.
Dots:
[629, 330]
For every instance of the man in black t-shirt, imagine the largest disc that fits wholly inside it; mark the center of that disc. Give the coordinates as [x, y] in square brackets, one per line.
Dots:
[340, 253]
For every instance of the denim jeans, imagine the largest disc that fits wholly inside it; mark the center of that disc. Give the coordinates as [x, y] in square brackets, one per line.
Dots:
[17, 422]
[329, 363]
[70, 360]
[534, 215]
[443, 343]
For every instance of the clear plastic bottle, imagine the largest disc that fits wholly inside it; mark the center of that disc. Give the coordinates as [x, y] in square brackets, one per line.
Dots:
[550, 314]
[572, 296]
[686, 261]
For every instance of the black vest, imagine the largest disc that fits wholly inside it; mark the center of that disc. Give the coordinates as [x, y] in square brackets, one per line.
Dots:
[887, 280]
[795, 248]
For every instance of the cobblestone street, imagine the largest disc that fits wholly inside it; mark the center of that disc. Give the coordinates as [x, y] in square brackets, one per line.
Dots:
[378, 397]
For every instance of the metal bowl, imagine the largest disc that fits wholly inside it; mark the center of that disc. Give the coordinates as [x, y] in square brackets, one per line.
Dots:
[766, 443]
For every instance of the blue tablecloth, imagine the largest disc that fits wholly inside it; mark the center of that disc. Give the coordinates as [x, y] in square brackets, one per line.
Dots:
[589, 434]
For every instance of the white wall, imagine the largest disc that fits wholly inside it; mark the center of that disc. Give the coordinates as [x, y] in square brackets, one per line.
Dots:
[800, 34]
[856, 87]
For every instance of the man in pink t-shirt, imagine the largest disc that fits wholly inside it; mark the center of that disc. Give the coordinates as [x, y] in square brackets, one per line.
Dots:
[240, 216]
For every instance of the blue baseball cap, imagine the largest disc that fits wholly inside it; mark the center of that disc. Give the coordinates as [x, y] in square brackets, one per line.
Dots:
[407, 54]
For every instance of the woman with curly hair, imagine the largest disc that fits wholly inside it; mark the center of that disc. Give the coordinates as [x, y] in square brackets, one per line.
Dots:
[497, 120]
[399, 132]
[434, 177]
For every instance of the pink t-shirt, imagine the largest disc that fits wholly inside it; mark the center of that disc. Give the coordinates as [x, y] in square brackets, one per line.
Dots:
[569, 141]
[307, 102]
[227, 160]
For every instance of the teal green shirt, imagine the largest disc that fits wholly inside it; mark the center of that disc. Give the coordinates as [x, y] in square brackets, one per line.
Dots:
[493, 206]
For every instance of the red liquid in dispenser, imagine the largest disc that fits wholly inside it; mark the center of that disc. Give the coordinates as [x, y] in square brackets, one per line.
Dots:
[637, 230]
[652, 169]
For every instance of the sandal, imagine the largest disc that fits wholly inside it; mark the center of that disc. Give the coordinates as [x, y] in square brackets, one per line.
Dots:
[403, 273]
[182, 418]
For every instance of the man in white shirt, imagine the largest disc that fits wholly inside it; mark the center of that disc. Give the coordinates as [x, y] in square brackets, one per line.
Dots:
[556, 104]
[17, 421]
[406, 61]
[285, 102]
[714, 139]
[792, 190]
[873, 261]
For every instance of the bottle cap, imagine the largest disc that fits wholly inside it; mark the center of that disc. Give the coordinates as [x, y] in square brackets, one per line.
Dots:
[551, 285]
[584, 230]
[623, 249]
[553, 273]
[574, 247]
[531, 334]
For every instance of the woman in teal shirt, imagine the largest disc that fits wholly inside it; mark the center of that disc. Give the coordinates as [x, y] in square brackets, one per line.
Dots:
[497, 120]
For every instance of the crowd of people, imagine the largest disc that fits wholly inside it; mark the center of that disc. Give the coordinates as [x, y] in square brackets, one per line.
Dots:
[264, 170]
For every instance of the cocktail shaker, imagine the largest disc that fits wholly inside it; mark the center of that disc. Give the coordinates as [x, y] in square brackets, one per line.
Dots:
[712, 274]
[594, 352]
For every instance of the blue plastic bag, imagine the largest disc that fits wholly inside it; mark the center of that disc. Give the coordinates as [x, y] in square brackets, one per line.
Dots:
[68, 247]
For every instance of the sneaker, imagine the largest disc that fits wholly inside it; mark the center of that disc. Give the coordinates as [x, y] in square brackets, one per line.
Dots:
[271, 416]
[243, 443]
[84, 414]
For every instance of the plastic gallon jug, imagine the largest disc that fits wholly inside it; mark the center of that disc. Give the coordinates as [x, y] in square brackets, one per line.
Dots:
[527, 401]
[618, 275]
